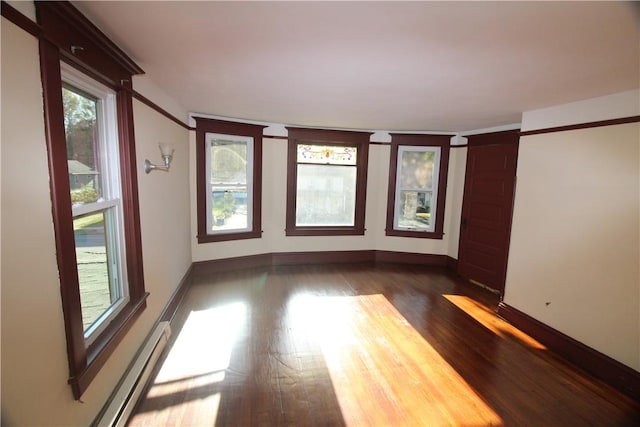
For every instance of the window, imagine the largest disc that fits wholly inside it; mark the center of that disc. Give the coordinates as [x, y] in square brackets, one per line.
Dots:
[417, 185]
[92, 168]
[229, 176]
[327, 181]
[96, 203]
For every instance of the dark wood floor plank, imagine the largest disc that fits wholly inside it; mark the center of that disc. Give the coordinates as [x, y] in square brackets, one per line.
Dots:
[383, 345]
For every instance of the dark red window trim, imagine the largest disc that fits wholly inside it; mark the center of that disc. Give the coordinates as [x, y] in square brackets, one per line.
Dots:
[442, 141]
[328, 137]
[204, 126]
[63, 27]
[13, 15]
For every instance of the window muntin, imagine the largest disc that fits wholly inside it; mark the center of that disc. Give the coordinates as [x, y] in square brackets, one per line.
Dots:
[416, 188]
[94, 184]
[326, 182]
[417, 185]
[229, 162]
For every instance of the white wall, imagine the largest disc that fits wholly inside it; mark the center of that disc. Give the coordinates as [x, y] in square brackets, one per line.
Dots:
[34, 360]
[575, 246]
[455, 193]
[164, 205]
[32, 322]
[150, 90]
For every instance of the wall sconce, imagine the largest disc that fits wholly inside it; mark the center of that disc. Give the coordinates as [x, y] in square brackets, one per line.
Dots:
[167, 155]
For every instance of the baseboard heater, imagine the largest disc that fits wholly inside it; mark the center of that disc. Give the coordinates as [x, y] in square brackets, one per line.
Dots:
[123, 400]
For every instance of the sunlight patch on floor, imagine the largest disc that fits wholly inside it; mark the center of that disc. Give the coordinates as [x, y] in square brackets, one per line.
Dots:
[195, 368]
[488, 319]
[383, 371]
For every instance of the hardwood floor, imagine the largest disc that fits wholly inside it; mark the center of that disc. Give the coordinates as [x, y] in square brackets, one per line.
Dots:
[362, 345]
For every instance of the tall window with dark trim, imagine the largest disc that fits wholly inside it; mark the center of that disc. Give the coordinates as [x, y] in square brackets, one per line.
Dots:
[96, 200]
[87, 95]
[326, 182]
[417, 185]
[229, 180]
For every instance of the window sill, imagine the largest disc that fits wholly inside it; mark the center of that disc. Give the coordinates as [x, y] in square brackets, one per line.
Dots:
[415, 234]
[224, 237]
[325, 231]
[103, 347]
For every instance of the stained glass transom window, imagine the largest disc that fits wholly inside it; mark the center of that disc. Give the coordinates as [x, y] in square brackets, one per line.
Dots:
[327, 154]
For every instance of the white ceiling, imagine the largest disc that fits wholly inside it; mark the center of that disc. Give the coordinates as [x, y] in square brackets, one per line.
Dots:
[450, 66]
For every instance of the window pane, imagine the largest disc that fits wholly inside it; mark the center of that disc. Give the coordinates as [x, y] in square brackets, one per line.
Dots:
[327, 154]
[229, 208]
[326, 195]
[229, 175]
[95, 270]
[417, 170]
[414, 210]
[80, 123]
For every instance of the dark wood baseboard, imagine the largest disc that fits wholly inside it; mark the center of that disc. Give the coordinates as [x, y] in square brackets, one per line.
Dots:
[228, 264]
[452, 264]
[592, 361]
[322, 257]
[411, 258]
[171, 306]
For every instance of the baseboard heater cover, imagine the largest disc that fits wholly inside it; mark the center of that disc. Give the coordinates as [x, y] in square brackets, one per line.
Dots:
[123, 400]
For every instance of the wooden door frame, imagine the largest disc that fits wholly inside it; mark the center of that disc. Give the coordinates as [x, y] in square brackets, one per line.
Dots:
[492, 138]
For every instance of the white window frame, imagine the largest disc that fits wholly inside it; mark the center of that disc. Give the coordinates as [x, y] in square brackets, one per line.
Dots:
[111, 197]
[434, 187]
[249, 141]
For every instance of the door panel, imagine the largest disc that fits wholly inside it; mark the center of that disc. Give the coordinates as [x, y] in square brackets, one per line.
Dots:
[487, 208]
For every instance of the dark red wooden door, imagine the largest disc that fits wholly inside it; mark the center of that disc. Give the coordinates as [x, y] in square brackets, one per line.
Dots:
[487, 208]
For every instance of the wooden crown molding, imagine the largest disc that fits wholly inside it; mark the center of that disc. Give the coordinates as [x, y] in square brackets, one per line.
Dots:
[13, 15]
[420, 139]
[229, 127]
[587, 125]
[83, 43]
[328, 135]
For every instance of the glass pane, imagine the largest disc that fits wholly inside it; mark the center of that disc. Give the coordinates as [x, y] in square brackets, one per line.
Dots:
[414, 210]
[83, 152]
[327, 154]
[417, 170]
[229, 208]
[229, 189]
[97, 293]
[326, 195]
